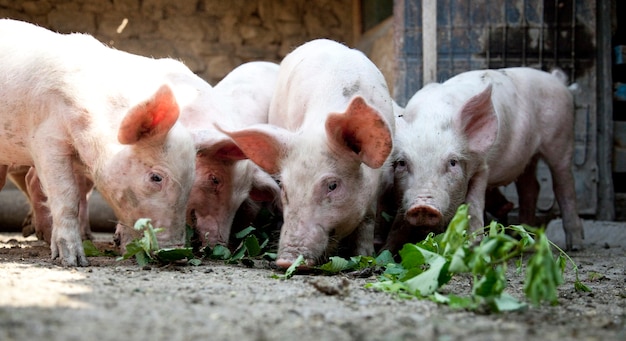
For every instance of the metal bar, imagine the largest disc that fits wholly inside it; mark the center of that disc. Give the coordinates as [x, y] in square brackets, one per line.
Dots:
[450, 54]
[606, 194]
[429, 40]
[541, 29]
[524, 32]
[504, 36]
[572, 75]
[555, 30]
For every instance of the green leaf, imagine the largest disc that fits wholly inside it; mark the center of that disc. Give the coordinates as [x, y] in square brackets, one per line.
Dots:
[245, 232]
[491, 283]
[456, 233]
[133, 248]
[431, 279]
[506, 302]
[335, 265]
[384, 258]
[252, 245]
[579, 286]
[460, 261]
[292, 269]
[195, 262]
[543, 274]
[141, 224]
[90, 249]
[454, 301]
[142, 259]
[218, 252]
[174, 254]
[412, 256]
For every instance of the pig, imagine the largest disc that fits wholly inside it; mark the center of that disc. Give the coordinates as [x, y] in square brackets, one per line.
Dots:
[70, 105]
[225, 178]
[223, 181]
[477, 131]
[330, 130]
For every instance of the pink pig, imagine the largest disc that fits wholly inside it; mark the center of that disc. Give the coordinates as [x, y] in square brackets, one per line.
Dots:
[331, 129]
[74, 106]
[224, 176]
[479, 130]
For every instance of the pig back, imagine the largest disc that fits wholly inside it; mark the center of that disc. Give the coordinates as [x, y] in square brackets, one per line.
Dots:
[321, 77]
[535, 110]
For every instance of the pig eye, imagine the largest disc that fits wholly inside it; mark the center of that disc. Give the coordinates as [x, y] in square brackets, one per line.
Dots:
[332, 186]
[399, 165]
[154, 177]
[214, 180]
[453, 162]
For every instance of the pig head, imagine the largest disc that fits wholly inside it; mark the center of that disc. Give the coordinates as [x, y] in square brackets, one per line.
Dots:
[225, 178]
[329, 179]
[480, 130]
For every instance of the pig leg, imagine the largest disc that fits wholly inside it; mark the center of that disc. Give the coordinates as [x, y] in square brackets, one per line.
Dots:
[86, 188]
[58, 181]
[18, 177]
[3, 175]
[527, 187]
[475, 198]
[364, 236]
[497, 205]
[565, 192]
[40, 213]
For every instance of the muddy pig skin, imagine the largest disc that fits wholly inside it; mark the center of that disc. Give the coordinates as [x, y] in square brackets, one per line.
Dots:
[331, 129]
[70, 104]
[479, 130]
[225, 178]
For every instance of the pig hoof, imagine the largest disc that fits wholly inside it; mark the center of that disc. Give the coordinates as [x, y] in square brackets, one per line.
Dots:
[69, 256]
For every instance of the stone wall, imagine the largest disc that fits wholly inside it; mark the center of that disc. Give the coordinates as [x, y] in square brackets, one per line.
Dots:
[210, 36]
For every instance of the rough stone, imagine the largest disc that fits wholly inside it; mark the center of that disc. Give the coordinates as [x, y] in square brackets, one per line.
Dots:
[36, 7]
[72, 21]
[210, 36]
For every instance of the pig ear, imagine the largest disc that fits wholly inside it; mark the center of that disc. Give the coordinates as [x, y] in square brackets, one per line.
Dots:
[361, 130]
[479, 122]
[215, 145]
[152, 118]
[265, 145]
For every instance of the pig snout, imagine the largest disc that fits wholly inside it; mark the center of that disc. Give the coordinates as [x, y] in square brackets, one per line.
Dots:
[310, 241]
[286, 259]
[422, 213]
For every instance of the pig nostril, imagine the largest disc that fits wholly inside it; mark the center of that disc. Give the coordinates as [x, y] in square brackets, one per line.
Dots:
[423, 216]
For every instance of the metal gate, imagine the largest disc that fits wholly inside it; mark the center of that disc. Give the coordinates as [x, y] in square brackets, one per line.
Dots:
[437, 39]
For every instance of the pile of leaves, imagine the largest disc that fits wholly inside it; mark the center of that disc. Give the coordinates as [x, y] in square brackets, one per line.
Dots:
[485, 255]
[146, 250]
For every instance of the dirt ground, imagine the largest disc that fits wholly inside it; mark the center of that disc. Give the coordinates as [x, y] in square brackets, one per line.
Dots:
[113, 300]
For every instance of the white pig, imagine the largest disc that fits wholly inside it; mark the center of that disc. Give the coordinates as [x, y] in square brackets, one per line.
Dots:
[224, 177]
[70, 104]
[331, 129]
[484, 129]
